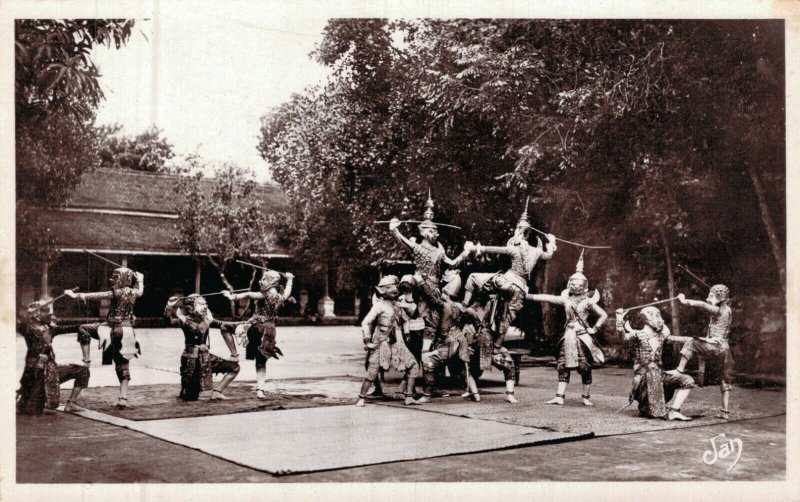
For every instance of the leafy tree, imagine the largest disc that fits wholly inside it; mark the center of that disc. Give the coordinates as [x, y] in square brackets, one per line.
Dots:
[220, 219]
[148, 151]
[630, 131]
[56, 95]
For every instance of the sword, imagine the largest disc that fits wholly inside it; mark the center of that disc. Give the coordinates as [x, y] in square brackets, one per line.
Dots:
[418, 221]
[223, 292]
[625, 311]
[699, 279]
[259, 267]
[573, 243]
[62, 295]
[102, 258]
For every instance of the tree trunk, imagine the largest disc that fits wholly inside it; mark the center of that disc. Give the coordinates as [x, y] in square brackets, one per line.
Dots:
[769, 225]
[673, 304]
[220, 266]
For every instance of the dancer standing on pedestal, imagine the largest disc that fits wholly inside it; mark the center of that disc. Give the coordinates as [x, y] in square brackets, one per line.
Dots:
[511, 285]
[429, 257]
[577, 348]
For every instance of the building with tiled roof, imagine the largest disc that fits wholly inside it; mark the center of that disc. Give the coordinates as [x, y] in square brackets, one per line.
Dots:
[130, 218]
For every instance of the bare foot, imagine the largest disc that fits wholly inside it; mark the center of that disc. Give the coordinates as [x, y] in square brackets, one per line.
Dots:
[360, 403]
[557, 401]
[586, 402]
[218, 396]
[260, 394]
[676, 415]
[724, 414]
[71, 406]
[122, 403]
[423, 400]
[513, 400]
[410, 401]
[467, 395]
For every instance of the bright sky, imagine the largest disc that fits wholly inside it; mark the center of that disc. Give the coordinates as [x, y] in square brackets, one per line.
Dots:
[205, 77]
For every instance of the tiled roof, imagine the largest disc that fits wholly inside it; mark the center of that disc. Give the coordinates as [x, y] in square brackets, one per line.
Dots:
[90, 221]
[129, 190]
[79, 230]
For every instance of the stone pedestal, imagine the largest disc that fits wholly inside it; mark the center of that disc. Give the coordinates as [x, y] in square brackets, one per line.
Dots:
[303, 301]
[325, 307]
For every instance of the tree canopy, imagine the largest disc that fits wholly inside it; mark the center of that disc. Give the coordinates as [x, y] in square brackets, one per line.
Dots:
[148, 151]
[56, 95]
[651, 136]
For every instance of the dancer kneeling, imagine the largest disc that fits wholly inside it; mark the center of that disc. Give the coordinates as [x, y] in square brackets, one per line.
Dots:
[384, 345]
[42, 376]
[653, 388]
[198, 365]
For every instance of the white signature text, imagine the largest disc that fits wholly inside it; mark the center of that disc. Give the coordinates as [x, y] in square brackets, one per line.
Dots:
[721, 448]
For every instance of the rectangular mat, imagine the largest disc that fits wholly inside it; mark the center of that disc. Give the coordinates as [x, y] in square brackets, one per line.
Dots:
[335, 437]
[608, 417]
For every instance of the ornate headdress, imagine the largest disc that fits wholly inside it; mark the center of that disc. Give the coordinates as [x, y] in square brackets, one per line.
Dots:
[269, 279]
[124, 277]
[188, 303]
[578, 283]
[386, 283]
[721, 291]
[427, 222]
[523, 220]
[39, 311]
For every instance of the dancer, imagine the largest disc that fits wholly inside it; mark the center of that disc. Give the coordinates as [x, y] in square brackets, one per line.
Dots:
[198, 365]
[450, 342]
[382, 330]
[577, 350]
[511, 285]
[116, 335]
[486, 354]
[716, 343]
[659, 394]
[258, 332]
[42, 376]
[429, 256]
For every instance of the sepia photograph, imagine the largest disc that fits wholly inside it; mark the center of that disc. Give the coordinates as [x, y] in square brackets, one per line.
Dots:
[253, 243]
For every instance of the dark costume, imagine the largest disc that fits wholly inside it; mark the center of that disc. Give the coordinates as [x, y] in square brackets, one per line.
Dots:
[198, 365]
[118, 324]
[652, 388]
[715, 345]
[260, 329]
[42, 376]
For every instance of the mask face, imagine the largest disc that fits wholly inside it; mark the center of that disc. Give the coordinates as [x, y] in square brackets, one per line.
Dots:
[201, 307]
[269, 280]
[653, 319]
[712, 299]
[430, 234]
[390, 291]
[521, 233]
[577, 286]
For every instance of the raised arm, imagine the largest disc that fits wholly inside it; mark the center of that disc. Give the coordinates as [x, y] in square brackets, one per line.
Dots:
[698, 304]
[394, 227]
[468, 248]
[556, 300]
[287, 292]
[139, 289]
[549, 249]
[622, 326]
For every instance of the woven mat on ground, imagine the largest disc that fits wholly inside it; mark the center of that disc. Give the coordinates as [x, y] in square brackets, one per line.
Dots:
[605, 418]
[160, 401]
[335, 437]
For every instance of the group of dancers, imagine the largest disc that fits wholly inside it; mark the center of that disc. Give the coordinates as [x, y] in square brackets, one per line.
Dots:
[418, 324]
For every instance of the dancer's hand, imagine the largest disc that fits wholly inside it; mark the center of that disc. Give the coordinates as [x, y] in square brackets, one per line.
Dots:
[682, 298]
[227, 294]
[173, 300]
[289, 276]
[394, 224]
[70, 293]
[591, 330]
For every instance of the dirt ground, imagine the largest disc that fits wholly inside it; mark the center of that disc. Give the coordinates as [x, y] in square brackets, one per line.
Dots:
[64, 448]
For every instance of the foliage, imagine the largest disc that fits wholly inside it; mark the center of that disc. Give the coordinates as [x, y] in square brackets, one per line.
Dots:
[615, 128]
[56, 94]
[148, 151]
[220, 219]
